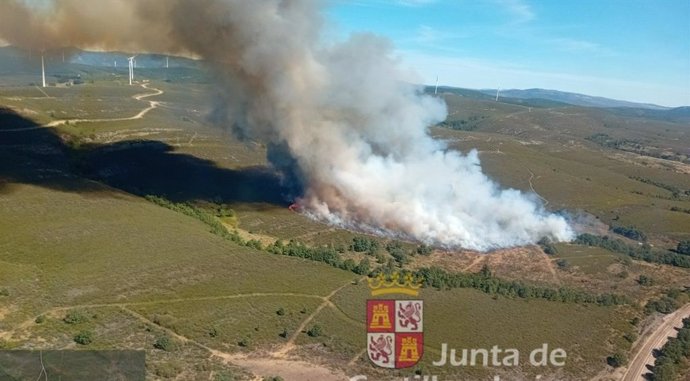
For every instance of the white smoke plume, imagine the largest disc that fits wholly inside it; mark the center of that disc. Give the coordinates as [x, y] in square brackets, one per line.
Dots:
[354, 131]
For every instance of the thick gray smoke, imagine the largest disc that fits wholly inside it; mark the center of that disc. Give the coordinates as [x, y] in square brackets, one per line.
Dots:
[340, 110]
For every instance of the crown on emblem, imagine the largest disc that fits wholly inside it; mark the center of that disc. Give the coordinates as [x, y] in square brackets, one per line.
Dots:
[382, 285]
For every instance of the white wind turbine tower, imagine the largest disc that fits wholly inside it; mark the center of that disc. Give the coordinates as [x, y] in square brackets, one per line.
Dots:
[131, 69]
[497, 90]
[436, 88]
[43, 70]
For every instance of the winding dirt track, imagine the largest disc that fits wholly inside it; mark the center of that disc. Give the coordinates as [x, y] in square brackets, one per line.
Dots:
[275, 363]
[531, 176]
[152, 105]
[645, 354]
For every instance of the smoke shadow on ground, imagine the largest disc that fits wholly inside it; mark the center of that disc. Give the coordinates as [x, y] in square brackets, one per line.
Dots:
[31, 154]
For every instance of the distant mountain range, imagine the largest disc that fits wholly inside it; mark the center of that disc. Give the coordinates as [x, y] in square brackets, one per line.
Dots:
[13, 58]
[143, 60]
[570, 98]
[553, 98]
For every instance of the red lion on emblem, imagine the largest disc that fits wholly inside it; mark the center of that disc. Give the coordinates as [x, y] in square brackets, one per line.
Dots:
[410, 315]
[381, 348]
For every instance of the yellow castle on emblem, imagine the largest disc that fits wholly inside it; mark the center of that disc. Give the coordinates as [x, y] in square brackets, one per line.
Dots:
[380, 318]
[408, 350]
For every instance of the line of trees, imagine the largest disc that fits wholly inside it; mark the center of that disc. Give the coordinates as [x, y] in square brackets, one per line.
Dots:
[674, 356]
[208, 219]
[676, 192]
[669, 302]
[630, 232]
[642, 252]
[325, 254]
[487, 283]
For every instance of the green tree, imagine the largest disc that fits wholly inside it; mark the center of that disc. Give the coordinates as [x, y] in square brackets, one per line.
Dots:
[83, 338]
[363, 267]
[349, 264]
[644, 280]
[75, 317]
[164, 343]
[617, 359]
[315, 331]
[683, 247]
[244, 342]
[485, 271]
[424, 249]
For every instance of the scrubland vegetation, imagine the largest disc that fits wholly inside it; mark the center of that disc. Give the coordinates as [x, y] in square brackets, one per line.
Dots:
[229, 266]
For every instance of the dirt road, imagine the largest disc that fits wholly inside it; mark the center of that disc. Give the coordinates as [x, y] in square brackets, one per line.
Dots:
[645, 354]
[152, 105]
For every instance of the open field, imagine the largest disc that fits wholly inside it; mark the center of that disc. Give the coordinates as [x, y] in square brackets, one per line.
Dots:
[76, 234]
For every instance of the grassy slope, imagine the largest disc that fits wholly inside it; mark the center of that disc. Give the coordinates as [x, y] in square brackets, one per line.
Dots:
[573, 173]
[61, 248]
[469, 319]
[107, 246]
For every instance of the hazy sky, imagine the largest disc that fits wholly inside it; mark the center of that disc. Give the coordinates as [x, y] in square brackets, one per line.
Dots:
[626, 49]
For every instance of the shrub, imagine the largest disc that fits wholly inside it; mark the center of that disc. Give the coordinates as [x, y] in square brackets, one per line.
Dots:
[40, 319]
[224, 376]
[562, 264]
[547, 246]
[244, 342]
[630, 337]
[83, 338]
[683, 247]
[349, 264]
[280, 311]
[617, 359]
[164, 343]
[4, 292]
[644, 280]
[314, 331]
[168, 370]
[75, 317]
[664, 305]
[363, 267]
[213, 332]
[363, 244]
[424, 249]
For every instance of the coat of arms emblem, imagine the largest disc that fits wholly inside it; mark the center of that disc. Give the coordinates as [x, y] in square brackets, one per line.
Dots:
[395, 328]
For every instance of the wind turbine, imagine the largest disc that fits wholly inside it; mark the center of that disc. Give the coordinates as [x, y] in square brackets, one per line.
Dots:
[43, 70]
[436, 88]
[497, 90]
[131, 69]
[167, 63]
